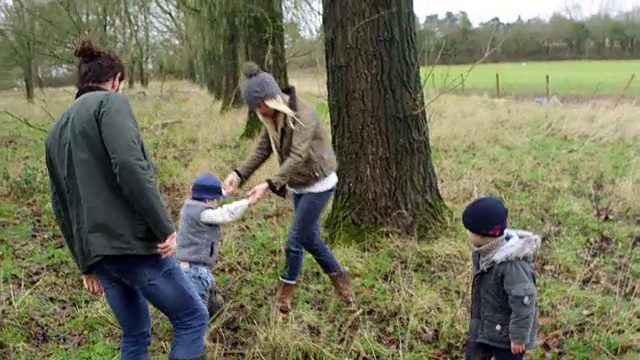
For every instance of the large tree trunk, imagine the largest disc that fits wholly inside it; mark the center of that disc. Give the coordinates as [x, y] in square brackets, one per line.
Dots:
[231, 56]
[276, 57]
[378, 120]
[264, 45]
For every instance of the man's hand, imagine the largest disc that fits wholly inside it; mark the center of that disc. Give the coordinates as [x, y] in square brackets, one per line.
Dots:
[257, 192]
[168, 247]
[231, 183]
[517, 348]
[91, 283]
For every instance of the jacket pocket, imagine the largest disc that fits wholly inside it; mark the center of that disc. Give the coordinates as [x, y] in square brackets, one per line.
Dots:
[497, 330]
[141, 229]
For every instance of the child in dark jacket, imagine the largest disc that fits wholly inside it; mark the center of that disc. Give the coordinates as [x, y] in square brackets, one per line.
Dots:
[504, 299]
[198, 233]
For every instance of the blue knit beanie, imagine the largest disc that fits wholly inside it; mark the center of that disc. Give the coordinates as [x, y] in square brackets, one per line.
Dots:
[207, 187]
[486, 216]
[258, 85]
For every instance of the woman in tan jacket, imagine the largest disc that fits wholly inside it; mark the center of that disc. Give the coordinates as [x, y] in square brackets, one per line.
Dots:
[294, 132]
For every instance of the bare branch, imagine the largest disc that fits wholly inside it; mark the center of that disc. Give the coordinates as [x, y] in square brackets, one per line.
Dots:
[25, 121]
[454, 84]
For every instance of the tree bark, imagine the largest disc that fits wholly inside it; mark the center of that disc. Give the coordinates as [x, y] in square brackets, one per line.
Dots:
[27, 76]
[142, 72]
[264, 46]
[276, 56]
[217, 79]
[231, 98]
[378, 120]
[131, 75]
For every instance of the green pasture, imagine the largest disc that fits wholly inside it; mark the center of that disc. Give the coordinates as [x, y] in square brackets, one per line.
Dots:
[586, 78]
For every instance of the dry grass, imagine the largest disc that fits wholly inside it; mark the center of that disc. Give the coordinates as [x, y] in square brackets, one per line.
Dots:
[569, 172]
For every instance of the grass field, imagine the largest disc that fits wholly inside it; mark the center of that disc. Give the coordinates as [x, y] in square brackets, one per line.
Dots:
[565, 77]
[569, 172]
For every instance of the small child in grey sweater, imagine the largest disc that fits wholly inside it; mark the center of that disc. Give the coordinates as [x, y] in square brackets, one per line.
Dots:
[198, 233]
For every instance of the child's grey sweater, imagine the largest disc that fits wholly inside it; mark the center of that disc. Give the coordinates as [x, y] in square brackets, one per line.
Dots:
[199, 229]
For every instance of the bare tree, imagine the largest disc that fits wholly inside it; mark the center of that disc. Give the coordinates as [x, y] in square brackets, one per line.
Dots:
[264, 45]
[17, 30]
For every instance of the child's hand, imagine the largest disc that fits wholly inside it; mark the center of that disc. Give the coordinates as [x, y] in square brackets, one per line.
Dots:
[91, 283]
[257, 193]
[517, 348]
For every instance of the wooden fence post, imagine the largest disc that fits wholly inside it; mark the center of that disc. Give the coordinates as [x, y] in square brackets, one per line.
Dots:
[462, 83]
[433, 80]
[497, 85]
[628, 84]
[548, 88]
[625, 89]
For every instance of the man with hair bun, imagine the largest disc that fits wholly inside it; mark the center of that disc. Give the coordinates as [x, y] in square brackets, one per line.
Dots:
[105, 197]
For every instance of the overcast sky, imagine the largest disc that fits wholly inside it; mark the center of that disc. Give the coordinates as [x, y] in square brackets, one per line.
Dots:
[483, 10]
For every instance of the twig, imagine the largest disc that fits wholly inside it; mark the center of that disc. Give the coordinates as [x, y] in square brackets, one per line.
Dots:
[25, 121]
[312, 7]
[45, 108]
[625, 89]
[161, 124]
[451, 86]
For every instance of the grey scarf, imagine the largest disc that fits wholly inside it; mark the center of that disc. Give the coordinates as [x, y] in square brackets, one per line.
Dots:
[488, 251]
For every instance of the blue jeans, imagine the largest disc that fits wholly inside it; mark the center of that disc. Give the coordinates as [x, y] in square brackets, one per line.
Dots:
[202, 280]
[480, 351]
[129, 281]
[304, 234]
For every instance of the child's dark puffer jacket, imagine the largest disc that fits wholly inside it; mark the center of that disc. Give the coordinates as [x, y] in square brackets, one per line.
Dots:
[504, 297]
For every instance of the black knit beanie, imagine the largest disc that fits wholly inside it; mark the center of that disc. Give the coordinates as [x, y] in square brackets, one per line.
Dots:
[486, 216]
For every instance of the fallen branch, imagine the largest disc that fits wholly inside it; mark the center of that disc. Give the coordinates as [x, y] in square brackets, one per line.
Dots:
[162, 124]
[45, 108]
[25, 121]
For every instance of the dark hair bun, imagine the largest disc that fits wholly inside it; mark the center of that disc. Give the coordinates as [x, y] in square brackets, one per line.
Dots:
[87, 51]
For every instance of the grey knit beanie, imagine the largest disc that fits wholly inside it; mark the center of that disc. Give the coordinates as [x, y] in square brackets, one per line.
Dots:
[258, 85]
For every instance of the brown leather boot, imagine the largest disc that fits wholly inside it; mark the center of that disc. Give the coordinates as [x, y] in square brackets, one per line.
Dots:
[342, 284]
[284, 296]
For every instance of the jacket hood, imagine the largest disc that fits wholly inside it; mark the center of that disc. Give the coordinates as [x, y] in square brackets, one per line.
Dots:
[520, 245]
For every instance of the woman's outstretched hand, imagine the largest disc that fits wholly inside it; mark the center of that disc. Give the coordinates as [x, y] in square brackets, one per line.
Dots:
[257, 193]
[231, 183]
